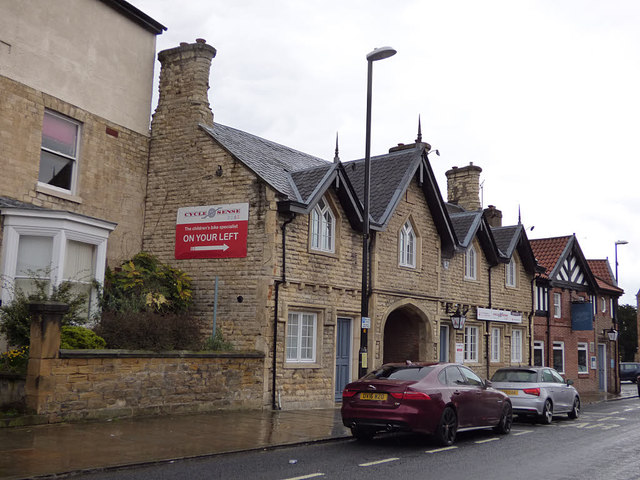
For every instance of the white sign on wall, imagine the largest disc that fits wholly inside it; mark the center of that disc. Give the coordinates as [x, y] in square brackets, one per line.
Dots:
[505, 316]
[459, 352]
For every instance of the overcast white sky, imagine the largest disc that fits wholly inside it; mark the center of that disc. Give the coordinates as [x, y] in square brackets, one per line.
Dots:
[543, 95]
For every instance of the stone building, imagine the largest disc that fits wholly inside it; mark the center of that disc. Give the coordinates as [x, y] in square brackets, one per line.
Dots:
[75, 103]
[271, 236]
[576, 302]
[292, 290]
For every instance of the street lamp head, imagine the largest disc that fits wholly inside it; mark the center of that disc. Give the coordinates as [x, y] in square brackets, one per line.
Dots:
[621, 242]
[380, 54]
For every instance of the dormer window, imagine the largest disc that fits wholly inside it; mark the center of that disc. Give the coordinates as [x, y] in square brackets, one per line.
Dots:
[470, 263]
[323, 227]
[407, 246]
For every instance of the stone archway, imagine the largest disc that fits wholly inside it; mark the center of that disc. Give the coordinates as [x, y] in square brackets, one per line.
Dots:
[406, 335]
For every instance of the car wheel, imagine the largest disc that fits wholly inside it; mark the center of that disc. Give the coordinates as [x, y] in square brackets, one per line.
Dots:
[547, 413]
[575, 411]
[447, 428]
[362, 434]
[506, 419]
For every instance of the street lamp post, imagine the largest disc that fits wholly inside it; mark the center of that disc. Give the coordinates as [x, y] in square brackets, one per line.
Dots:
[365, 322]
[614, 337]
[619, 242]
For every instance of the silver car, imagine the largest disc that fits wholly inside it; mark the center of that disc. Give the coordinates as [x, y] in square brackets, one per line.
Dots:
[538, 391]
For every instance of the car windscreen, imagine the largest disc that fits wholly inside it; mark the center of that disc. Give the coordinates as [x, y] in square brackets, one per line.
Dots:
[524, 376]
[400, 373]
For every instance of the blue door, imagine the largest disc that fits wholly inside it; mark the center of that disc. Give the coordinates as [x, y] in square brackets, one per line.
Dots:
[343, 356]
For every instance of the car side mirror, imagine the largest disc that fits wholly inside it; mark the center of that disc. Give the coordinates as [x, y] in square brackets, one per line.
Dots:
[569, 382]
[486, 383]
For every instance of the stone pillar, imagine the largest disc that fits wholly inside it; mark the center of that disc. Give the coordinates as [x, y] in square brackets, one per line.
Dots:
[46, 321]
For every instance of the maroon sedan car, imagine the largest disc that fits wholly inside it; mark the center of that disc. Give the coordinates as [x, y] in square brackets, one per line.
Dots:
[437, 399]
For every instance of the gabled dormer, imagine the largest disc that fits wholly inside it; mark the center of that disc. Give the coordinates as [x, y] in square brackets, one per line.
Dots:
[564, 263]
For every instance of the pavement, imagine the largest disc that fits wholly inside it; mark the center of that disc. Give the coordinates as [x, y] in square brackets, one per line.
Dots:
[69, 448]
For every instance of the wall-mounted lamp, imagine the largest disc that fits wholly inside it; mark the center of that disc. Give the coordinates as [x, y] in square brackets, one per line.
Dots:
[459, 317]
[612, 333]
[219, 171]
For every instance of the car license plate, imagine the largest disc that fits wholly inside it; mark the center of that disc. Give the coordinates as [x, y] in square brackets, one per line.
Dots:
[373, 396]
[511, 393]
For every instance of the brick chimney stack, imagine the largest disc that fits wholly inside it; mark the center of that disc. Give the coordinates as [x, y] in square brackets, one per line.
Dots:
[184, 84]
[463, 187]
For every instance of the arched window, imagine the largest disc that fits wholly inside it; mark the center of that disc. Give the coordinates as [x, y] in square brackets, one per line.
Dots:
[470, 263]
[510, 270]
[407, 246]
[323, 227]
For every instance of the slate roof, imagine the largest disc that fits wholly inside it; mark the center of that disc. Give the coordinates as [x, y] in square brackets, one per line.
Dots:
[548, 251]
[269, 160]
[390, 174]
[604, 276]
[506, 238]
[466, 226]
[6, 202]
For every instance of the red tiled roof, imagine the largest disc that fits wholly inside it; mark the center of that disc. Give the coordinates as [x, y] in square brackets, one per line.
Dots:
[602, 272]
[548, 250]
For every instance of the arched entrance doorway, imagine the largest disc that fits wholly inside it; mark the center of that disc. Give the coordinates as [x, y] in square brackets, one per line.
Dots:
[405, 335]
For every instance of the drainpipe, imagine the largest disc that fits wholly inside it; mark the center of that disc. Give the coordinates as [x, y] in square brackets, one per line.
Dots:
[531, 315]
[549, 349]
[275, 404]
[488, 326]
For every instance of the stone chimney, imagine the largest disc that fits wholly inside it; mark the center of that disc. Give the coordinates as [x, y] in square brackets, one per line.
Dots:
[493, 216]
[463, 187]
[184, 84]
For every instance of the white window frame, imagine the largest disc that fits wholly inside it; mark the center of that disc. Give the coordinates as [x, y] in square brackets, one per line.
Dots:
[471, 344]
[407, 246]
[511, 273]
[594, 303]
[296, 317]
[611, 307]
[557, 305]
[496, 333]
[323, 230]
[539, 346]
[542, 298]
[470, 263]
[583, 369]
[603, 304]
[558, 346]
[74, 159]
[61, 227]
[516, 345]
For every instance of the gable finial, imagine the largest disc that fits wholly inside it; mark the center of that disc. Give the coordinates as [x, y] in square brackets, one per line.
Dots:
[419, 139]
[336, 158]
[519, 216]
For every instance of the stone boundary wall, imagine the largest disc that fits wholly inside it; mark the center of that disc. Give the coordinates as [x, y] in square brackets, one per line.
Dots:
[66, 385]
[11, 389]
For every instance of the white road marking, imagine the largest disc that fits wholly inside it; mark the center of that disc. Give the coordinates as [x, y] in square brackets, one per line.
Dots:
[303, 477]
[521, 432]
[495, 439]
[378, 462]
[438, 450]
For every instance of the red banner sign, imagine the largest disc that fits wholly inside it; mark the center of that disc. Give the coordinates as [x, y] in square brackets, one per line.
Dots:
[212, 231]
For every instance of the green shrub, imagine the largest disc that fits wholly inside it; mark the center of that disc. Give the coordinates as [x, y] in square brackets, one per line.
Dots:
[150, 331]
[144, 284]
[15, 361]
[217, 343]
[15, 320]
[76, 337]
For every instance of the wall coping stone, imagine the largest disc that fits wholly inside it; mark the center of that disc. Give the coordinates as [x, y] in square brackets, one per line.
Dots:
[64, 353]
